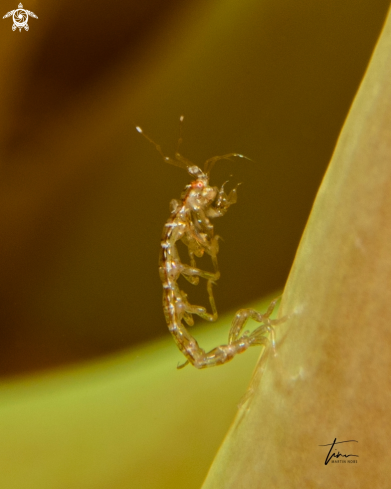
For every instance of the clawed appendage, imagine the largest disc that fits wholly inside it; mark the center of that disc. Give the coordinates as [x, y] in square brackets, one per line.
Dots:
[190, 222]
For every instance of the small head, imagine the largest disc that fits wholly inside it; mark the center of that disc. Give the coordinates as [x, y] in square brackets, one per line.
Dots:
[199, 194]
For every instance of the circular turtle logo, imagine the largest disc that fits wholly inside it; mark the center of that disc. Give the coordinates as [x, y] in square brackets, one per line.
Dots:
[20, 17]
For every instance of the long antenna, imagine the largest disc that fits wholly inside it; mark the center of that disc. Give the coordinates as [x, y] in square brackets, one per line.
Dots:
[209, 164]
[180, 132]
[167, 159]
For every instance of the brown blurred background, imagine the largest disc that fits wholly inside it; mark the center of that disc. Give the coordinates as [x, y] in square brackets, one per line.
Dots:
[83, 197]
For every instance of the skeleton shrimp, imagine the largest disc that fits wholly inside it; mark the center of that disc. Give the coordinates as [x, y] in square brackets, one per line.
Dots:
[190, 222]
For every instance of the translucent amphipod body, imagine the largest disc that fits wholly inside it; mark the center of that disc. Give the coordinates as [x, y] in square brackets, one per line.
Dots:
[190, 222]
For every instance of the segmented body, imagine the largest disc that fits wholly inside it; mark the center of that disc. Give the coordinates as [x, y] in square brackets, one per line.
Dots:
[190, 222]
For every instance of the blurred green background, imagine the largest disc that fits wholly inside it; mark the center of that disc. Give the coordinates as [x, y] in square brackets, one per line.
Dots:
[83, 197]
[128, 421]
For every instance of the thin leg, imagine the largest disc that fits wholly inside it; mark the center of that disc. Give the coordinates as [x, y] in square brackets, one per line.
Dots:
[200, 310]
[188, 318]
[187, 270]
[211, 278]
[191, 278]
[242, 316]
